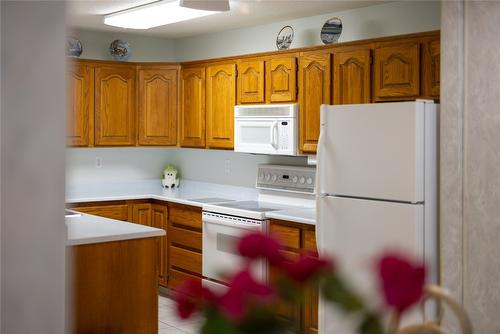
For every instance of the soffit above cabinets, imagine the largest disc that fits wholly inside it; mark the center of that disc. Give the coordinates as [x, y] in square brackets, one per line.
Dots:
[89, 15]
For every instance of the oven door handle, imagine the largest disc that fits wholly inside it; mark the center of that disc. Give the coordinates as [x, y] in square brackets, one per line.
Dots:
[218, 221]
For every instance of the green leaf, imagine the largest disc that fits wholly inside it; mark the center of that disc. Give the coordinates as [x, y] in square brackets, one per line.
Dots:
[262, 320]
[215, 323]
[335, 291]
[371, 325]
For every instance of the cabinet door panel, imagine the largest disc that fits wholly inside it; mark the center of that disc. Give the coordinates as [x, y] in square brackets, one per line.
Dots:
[159, 220]
[221, 98]
[314, 88]
[281, 79]
[251, 81]
[193, 107]
[80, 100]
[397, 71]
[157, 107]
[115, 106]
[432, 67]
[351, 77]
[141, 214]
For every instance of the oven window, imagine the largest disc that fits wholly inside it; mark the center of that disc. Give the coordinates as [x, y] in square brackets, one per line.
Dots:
[255, 134]
[227, 243]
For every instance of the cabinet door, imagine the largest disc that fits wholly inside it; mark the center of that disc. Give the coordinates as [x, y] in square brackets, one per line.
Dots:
[251, 81]
[311, 300]
[281, 79]
[221, 96]
[157, 106]
[159, 220]
[115, 105]
[397, 71]
[193, 107]
[80, 100]
[432, 68]
[314, 88]
[351, 77]
[141, 214]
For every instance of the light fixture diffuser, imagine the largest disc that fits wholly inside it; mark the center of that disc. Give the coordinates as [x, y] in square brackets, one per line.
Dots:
[154, 14]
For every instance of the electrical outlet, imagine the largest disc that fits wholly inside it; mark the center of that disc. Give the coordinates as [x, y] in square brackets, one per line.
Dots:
[227, 167]
[98, 162]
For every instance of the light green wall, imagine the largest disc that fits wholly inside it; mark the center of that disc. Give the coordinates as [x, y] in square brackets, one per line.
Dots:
[144, 48]
[394, 18]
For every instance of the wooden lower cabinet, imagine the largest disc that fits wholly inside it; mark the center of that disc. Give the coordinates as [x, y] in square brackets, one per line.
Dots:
[184, 244]
[112, 210]
[159, 219]
[113, 287]
[297, 238]
[141, 214]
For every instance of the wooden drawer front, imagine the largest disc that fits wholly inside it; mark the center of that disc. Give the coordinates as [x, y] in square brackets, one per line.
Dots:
[176, 278]
[119, 212]
[185, 259]
[310, 241]
[287, 235]
[186, 216]
[187, 238]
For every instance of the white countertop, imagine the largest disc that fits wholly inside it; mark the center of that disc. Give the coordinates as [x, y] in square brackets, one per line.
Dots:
[89, 229]
[298, 215]
[188, 190]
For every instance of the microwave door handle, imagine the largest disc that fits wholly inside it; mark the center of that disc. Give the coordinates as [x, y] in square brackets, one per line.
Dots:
[275, 138]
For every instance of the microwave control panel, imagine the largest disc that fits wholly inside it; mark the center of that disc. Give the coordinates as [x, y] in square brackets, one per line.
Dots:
[288, 178]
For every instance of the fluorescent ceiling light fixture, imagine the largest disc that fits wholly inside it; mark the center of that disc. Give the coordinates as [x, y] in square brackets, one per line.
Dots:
[154, 14]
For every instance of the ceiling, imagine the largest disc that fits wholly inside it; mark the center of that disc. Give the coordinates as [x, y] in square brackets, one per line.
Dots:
[89, 15]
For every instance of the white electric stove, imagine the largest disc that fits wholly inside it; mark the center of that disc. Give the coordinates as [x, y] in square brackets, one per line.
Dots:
[280, 188]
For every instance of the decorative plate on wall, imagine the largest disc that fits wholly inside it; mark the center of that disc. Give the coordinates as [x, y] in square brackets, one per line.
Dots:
[285, 38]
[73, 47]
[331, 30]
[120, 50]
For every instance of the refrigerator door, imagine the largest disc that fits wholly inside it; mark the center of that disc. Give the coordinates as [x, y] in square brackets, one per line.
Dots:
[373, 151]
[356, 232]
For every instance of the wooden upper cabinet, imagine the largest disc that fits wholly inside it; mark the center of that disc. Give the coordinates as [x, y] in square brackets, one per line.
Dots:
[431, 68]
[352, 77]
[157, 106]
[220, 102]
[192, 124]
[281, 79]
[251, 81]
[80, 100]
[314, 88]
[397, 71]
[115, 105]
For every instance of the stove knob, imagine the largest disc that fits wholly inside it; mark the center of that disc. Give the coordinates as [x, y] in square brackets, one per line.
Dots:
[295, 179]
[274, 177]
[268, 176]
[309, 180]
[302, 179]
[261, 176]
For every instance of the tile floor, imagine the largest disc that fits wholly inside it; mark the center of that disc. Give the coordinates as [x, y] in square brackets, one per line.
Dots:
[169, 323]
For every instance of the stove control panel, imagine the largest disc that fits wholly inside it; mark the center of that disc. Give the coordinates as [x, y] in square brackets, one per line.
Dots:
[287, 178]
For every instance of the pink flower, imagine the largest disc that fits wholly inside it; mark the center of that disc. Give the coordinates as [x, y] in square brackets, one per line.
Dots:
[402, 281]
[258, 245]
[306, 267]
[243, 290]
[192, 296]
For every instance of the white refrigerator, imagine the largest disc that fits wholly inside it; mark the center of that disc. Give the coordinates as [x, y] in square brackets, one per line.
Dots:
[376, 191]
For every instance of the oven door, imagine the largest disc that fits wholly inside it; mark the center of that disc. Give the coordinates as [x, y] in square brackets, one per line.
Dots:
[257, 135]
[221, 234]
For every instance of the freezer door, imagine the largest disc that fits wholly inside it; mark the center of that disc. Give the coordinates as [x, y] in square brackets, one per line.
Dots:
[373, 151]
[356, 232]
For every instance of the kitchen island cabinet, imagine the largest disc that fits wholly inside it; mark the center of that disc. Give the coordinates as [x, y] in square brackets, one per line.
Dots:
[112, 281]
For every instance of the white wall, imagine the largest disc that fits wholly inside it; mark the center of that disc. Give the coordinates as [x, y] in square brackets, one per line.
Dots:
[394, 18]
[122, 164]
[144, 48]
[33, 239]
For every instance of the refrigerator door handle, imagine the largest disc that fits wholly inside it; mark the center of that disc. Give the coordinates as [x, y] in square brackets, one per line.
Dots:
[319, 179]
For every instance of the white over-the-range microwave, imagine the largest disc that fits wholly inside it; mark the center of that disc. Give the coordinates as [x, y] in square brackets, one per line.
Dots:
[266, 129]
